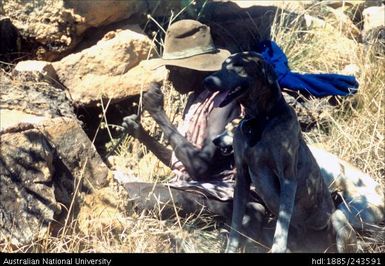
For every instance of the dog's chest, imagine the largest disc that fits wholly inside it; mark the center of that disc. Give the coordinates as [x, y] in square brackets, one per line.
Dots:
[251, 129]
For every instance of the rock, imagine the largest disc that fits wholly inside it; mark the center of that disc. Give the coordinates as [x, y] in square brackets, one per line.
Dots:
[27, 97]
[13, 120]
[50, 26]
[312, 22]
[43, 152]
[54, 27]
[335, 21]
[374, 17]
[39, 169]
[241, 25]
[9, 37]
[27, 194]
[373, 34]
[27, 104]
[109, 70]
[100, 13]
[236, 26]
[76, 151]
[44, 70]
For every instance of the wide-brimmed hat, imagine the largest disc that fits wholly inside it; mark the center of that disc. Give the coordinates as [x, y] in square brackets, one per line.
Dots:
[188, 43]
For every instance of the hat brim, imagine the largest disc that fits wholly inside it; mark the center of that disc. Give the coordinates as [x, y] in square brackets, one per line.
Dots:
[201, 62]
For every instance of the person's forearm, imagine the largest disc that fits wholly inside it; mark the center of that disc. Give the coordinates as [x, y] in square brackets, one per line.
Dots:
[195, 161]
[160, 151]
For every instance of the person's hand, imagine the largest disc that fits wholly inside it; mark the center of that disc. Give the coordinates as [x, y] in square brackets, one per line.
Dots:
[153, 99]
[131, 124]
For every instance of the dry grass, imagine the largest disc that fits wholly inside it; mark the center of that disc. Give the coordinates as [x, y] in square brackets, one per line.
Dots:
[354, 130]
[138, 234]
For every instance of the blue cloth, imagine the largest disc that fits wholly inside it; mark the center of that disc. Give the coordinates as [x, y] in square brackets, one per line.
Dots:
[318, 85]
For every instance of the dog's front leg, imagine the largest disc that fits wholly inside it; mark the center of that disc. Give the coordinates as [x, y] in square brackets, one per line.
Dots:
[241, 198]
[286, 207]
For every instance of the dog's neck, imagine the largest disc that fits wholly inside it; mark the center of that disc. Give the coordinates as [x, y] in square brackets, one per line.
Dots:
[258, 109]
[263, 105]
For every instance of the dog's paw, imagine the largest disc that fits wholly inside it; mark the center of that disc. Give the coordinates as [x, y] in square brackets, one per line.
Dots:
[153, 98]
[131, 124]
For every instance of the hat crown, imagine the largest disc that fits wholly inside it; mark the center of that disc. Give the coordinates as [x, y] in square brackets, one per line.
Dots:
[186, 38]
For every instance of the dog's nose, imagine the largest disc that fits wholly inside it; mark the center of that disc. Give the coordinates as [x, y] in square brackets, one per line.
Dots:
[212, 83]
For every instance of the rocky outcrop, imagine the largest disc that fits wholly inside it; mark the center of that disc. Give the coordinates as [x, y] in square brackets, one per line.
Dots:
[44, 153]
[57, 26]
[110, 69]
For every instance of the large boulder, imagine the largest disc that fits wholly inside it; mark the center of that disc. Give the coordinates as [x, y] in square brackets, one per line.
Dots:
[44, 154]
[57, 26]
[110, 69]
[39, 168]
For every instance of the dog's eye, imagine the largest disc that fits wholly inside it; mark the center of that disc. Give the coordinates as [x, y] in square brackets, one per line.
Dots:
[238, 68]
